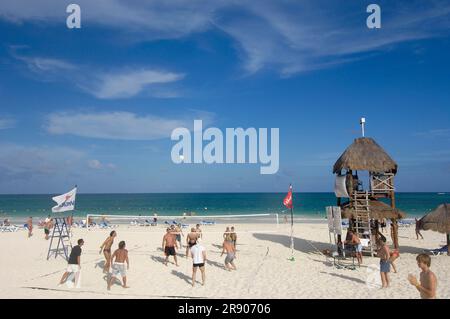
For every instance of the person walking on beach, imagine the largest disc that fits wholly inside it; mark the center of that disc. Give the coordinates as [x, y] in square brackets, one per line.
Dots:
[30, 226]
[169, 244]
[74, 265]
[198, 254]
[229, 249]
[120, 257]
[383, 224]
[233, 236]
[356, 242]
[385, 265]
[199, 231]
[418, 229]
[428, 281]
[106, 248]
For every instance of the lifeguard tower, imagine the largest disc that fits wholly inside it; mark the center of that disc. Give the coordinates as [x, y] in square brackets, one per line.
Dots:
[366, 206]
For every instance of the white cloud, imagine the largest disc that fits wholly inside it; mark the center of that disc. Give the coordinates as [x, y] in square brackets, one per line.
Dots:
[288, 36]
[129, 83]
[119, 125]
[103, 85]
[6, 123]
[96, 164]
[435, 133]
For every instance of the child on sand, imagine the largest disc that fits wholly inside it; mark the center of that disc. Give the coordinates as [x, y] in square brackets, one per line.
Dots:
[118, 267]
[428, 281]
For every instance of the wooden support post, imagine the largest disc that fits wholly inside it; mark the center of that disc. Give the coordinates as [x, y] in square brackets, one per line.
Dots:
[394, 232]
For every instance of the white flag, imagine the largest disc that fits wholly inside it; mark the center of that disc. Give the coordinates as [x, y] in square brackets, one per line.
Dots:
[65, 201]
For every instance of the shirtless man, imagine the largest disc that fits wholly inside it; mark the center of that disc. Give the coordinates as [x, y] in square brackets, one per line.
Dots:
[227, 234]
[355, 241]
[169, 244]
[233, 236]
[428, 281]
[30, 226]
[121, 256]
[106, 248]
[47, 227]
[191, 240]
[179, 233]
[385, 264]
[228, 248]
[199, 231]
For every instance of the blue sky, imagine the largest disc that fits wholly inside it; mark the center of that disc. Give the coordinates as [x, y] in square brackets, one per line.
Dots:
[95, 106]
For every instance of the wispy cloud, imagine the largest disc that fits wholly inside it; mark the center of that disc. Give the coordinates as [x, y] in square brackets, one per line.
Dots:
[120, 125]
[97, 165]
[288, 36]
[6, 123]
[435, 133]
[128, 83]
[102, 84]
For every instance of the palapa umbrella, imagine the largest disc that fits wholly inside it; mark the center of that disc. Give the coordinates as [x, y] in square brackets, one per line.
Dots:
[438, 220]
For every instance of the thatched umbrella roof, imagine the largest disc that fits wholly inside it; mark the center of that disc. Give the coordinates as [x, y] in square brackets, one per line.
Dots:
[365, 154]
[438, 220]
[378, 210]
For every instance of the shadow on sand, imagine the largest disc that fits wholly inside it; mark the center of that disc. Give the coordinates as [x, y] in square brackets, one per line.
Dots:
[182, 276]
[357, 280]
[302, 245]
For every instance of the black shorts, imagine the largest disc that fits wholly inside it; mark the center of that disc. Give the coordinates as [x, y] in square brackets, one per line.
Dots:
[199, 265]
[170, 251]
[192, 244]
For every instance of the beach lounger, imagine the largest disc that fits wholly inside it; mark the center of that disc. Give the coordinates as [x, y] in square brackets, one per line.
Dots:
[208, 223]
[438, 251]
[405, 223]
[9, 228]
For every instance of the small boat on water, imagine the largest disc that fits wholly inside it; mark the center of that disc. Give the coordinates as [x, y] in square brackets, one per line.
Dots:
[441, 193]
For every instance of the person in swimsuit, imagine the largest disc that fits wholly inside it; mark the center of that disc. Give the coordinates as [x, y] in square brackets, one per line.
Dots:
[356, 242]
[418, 230]
[198, 254]
[385, 265]
[30, 226]
[191, 240]
[393, 257]
[106, 248]
[227, 234]
[233, 236]
[120, 257]
[179, 233]
[169, 244]
[199, 231]
[47, 229]
[229, 249]
[428, 281]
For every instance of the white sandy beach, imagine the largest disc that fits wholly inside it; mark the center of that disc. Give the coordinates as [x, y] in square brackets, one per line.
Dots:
[263, 269]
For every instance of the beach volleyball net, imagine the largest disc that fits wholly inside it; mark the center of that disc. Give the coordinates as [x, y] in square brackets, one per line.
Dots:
[211, 223]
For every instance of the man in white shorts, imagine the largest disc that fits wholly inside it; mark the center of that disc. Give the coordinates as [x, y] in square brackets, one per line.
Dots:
[118, 266]
[198, 254]
[74, 265]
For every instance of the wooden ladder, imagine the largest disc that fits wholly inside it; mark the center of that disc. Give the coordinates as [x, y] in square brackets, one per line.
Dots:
[362, 211]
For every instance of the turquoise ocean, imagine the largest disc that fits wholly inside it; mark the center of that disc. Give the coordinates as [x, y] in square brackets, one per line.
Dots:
[309, 205]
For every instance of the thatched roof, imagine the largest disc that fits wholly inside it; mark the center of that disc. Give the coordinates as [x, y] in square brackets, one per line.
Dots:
[438, 220]
[365, 155]
[378, 210]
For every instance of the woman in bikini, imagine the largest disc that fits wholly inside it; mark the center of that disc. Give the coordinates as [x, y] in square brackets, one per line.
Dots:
[106, 248]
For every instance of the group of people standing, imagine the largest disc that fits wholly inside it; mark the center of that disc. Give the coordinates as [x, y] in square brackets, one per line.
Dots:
[118, 261]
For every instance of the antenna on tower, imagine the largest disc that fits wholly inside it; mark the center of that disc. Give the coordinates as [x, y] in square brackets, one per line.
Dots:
[362, 122]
